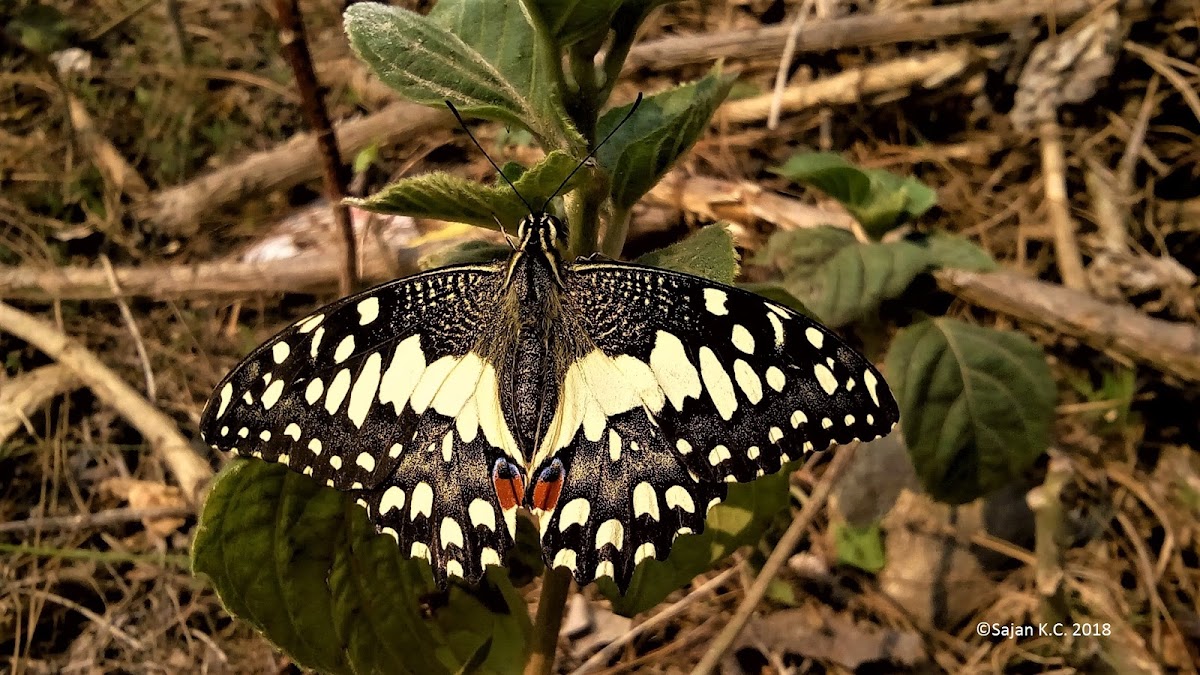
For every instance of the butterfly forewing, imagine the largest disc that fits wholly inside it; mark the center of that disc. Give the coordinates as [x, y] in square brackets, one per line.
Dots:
[690, 385]
[385, 395]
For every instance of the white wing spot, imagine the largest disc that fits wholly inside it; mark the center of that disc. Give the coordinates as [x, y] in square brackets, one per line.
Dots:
[614, 445]
[422, 501]
[448, 447]
[306, 325]
[826, 423]
[292, 430]
[226, 394]
[870, 419]
[489, 556]
[825, 378]
[633, 446]
[395, 450]
[392, 500]
[798, 418]
[645, 501]
[335, 462]
[849, 420]
[850, 384]
[284, 459]
[337, 390]
[363, 394]
[454, 568]
[748, 380]
[280, 352]
[315, 446]
[777, 326]
[808, 446]
[776, 379]
[606, 569]
[247, 398]
[742, 339]
[271, 396]
[312, 393]
[392, 533]
[264, 435]
[308, 471]
[719, 454]
[752, 452]
[225, 431]
[344, 349]
[451, 533]
[644, 551]
[775, 434]
[405, 370]
[366, 461]
[711, 504]
[683, 447]
[718, 384]
[676, 375]
[316, 342]
[610, 532]
[420, 550]
[678, 497]
[714, 301]
[815, 337]
[368, 310]
[482, 513]
[244, 432]
[871, 381]
[574, 513]
[567, 558]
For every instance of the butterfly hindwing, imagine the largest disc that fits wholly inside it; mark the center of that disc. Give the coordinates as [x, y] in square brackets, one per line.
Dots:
[712, 383]
[370, 394]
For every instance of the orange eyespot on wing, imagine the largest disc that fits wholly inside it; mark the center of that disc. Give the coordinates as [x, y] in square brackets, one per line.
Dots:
[548, 487]
[509, 485]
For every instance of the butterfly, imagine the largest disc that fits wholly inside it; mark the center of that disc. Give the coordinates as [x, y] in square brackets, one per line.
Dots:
[614, 401]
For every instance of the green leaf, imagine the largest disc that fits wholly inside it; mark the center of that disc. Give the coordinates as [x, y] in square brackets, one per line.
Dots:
[951, 251]
[445, 196]
[708, 253]
[303, 564]
[662, 129]
[976, 405]
[741, 519]
[571, 21]
[803, 251]
[474, 251]
[861, 547]
[482, 55]
[879, 200]
[857, 279]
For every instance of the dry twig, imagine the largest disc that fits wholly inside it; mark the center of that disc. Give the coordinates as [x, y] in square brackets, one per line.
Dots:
[787, 543]
[104, 518]
[1054, 181]
[192, 472]
[22, 395]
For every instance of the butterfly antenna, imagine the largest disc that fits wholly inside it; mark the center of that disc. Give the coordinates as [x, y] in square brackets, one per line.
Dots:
[637, 102]
[463, 124]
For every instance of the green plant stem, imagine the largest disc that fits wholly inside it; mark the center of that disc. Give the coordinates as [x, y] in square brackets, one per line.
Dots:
[556, 586]
[583, 212]
[616, 232]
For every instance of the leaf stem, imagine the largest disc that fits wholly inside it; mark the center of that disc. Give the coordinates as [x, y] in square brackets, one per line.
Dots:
[556, 586]
[616, 232]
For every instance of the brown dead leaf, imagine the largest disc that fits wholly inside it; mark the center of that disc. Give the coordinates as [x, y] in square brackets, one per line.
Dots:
[832, 637]
[144, 494]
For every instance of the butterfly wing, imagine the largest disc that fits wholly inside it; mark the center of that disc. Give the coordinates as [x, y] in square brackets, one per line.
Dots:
[691, 384]
[387, 395]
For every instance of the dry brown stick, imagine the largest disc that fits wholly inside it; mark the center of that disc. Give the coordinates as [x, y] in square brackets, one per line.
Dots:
[602, 657]
[22, 395]
[1171, 347]
[787, 543]
[192, 472]
[1045, 501]
[806, 8]
[1054, 182]
[118, 173]
[853, 85]
[104, 518]
[131, 324]
[179, 210]
[854, 31]
[335, 174]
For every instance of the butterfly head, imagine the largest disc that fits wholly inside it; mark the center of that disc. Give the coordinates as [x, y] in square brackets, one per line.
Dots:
[541, 230]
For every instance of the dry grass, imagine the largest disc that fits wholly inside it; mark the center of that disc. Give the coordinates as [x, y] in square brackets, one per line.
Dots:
[106, 594]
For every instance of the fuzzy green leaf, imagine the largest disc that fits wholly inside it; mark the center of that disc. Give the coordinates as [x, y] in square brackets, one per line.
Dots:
[481, 55]
[303, 564]
[976, 405]
[474, 251]
[951, 251]
[708, 253]
[858, 278]
[741, 519]
[445, 196]
[571, 21]
[661, 130]
[803, 251]
[879, 200]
